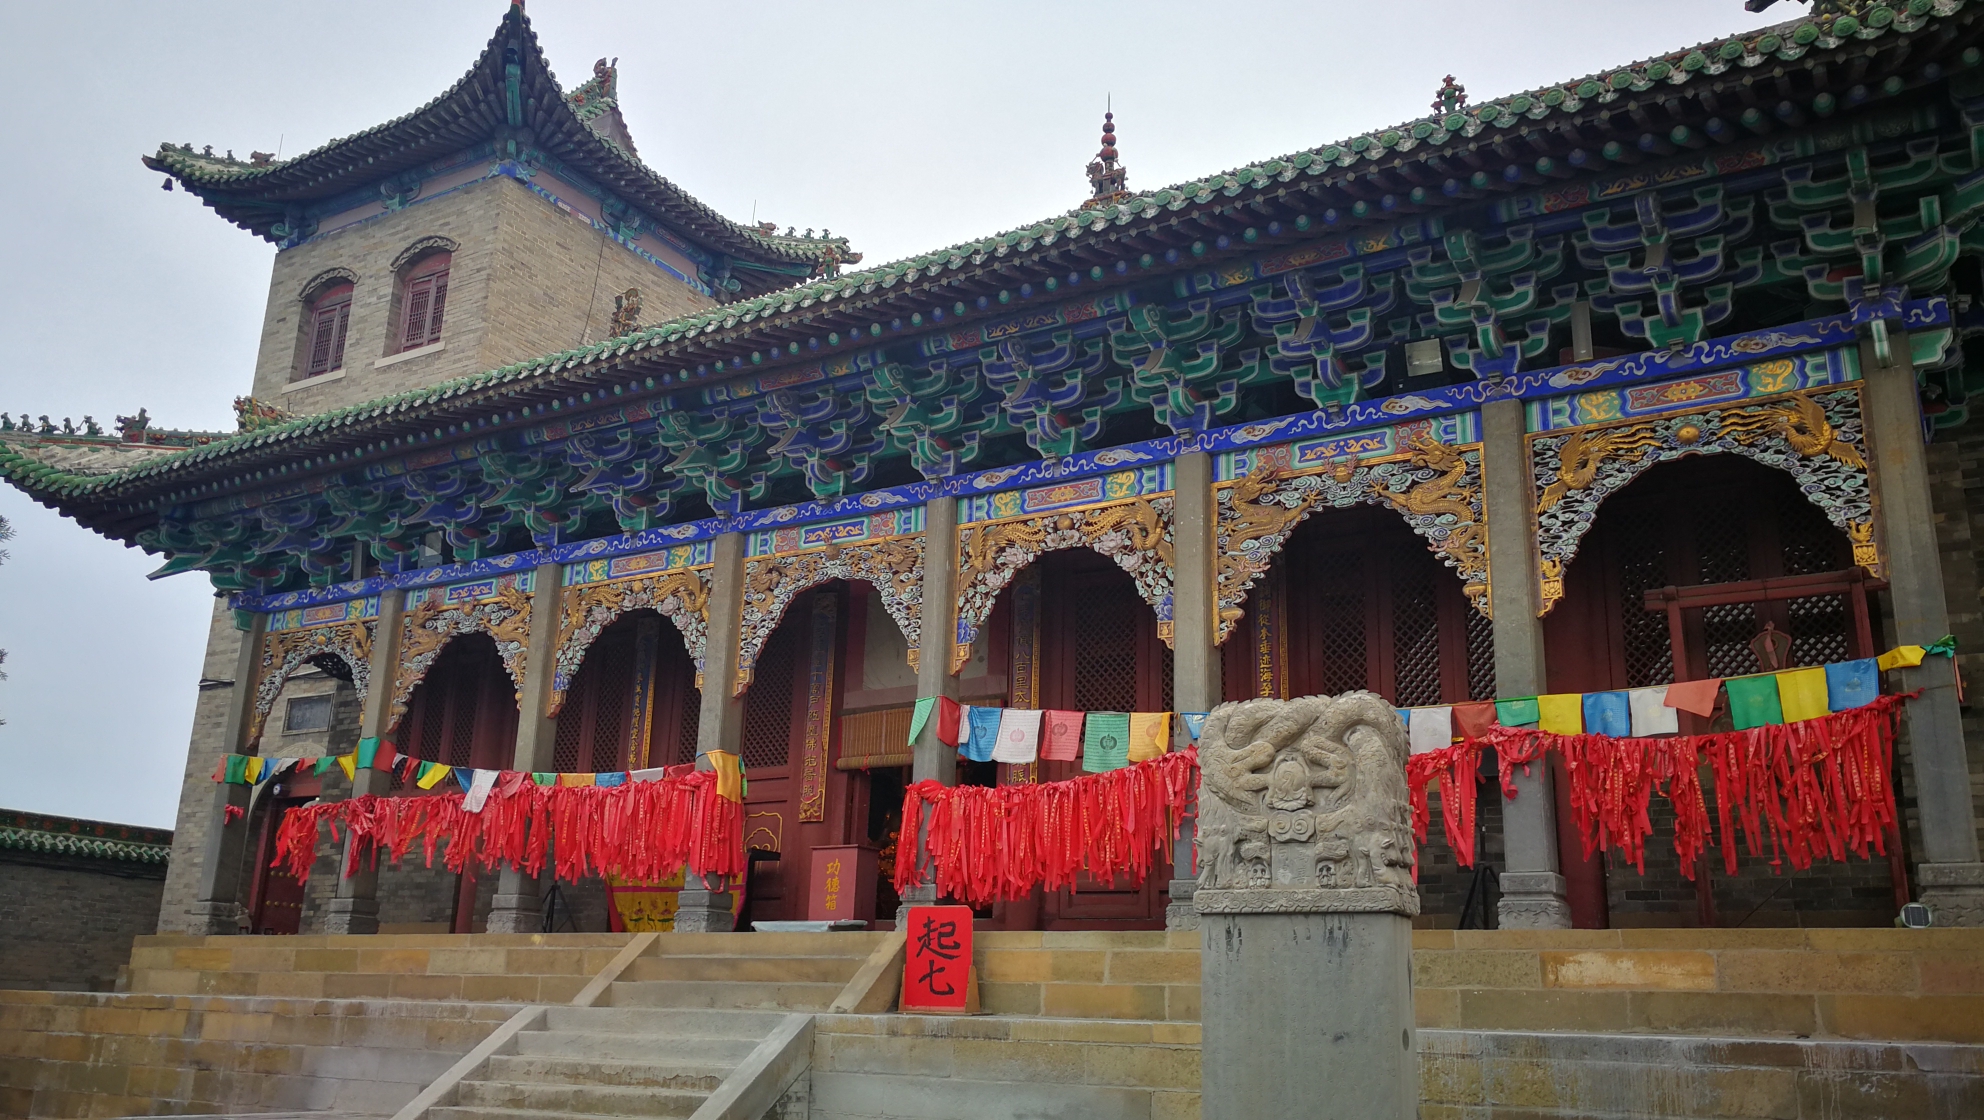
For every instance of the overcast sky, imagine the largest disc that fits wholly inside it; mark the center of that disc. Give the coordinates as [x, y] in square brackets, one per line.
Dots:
[905, 127]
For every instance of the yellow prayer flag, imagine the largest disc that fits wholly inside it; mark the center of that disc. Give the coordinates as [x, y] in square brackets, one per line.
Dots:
[729, 775]
[1562, 713]
[1802, 694]
[1901, 657]
[576, 779]
[349, 764]
[252, 770]
[1150, 735]
[434, 774]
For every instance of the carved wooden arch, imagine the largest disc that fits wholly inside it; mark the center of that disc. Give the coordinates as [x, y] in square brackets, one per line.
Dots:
[429, 626]
[682, 596]
[323, 280]
[1814, 436]
[421, 248]
[285, 652]
[1436, 488]
[1136, 533]
[893, 566]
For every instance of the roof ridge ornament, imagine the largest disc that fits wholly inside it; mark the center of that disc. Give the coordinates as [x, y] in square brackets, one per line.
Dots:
[1821, 9]
[1106, 177]
[1451, 97]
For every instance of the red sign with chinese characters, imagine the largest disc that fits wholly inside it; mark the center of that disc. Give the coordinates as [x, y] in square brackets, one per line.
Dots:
[843, 884]
[936, 975]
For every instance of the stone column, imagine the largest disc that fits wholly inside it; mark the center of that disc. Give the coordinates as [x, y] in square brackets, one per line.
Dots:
[1306, 898]
[216, 907]
[1950, 876]
[1532, 882]
[355, 908]
[1195, 682]
[933, 759]
[518, 906]
[721, 726]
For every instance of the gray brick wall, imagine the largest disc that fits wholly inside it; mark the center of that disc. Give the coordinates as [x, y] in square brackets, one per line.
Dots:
[206, 745]
[67, 923]
[1956, 487]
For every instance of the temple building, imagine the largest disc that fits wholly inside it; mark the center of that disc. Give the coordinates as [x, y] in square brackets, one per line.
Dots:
[1652, 376]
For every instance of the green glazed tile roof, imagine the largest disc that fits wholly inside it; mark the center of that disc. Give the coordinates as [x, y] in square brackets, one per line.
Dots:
[1784, 43]
[68, 836]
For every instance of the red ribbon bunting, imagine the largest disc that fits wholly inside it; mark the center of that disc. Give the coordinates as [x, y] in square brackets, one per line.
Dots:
[638, 830]
[1822, 786]
[987, 843]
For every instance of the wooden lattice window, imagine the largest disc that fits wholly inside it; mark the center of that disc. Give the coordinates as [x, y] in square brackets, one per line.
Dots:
[768, 705]
[423, 300]
[464, 711]
[330, 318]
[1370, 607]
[594, 724]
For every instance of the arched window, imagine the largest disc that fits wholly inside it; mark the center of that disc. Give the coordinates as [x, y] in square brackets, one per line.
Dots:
[423, 298]
[330, 316]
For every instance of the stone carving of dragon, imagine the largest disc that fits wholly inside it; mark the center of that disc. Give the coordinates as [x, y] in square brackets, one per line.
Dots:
[1305, 794]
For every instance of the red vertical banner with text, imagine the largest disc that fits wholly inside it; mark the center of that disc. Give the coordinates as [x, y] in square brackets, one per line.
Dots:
[936, 975]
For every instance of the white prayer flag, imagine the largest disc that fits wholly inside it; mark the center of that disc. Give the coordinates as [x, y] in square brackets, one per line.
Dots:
[1651, 715]
[652, 774]
[1431, 729]
[478, 790]
[1019, 736]
[964, 725]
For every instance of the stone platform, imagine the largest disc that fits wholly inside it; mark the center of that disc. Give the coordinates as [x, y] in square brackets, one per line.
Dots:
[1680, 1023]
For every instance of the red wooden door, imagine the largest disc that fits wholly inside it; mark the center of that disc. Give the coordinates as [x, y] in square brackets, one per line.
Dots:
[277, 907]
[1100, 653]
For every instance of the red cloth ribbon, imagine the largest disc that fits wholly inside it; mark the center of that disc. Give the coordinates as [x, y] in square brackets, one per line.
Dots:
[986, 843]
[639, 830]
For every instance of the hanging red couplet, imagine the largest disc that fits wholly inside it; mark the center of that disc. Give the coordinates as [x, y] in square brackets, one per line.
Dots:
[936, 974]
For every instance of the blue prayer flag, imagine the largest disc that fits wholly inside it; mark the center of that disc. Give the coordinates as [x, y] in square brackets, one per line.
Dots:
[1608, 713]
[1849, 684]
[984, 733]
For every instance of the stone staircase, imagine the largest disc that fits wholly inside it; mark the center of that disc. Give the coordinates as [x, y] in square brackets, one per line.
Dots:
[611, 1061]
[678, 1021]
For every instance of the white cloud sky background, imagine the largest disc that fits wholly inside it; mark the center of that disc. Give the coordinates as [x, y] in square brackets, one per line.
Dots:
[905, 127]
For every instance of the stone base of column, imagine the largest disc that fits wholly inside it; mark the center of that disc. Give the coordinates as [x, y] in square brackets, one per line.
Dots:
[1954, 892]
[352, 915]
[1533, 900]
[704, 911]
[213, 919]
[1179, 913]
[516, 912]
[925, 895]
[1308, 1014]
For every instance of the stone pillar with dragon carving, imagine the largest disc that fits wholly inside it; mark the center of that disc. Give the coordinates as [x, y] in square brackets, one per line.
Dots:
[1950, 876]
[1306, 899]
[518, 905]
[355, 907]
[217, 900]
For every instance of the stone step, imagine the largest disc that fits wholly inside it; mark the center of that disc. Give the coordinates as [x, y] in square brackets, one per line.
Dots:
[657, 1070]
[717, 994]
[484, 1112]
[773, 944]
[652, 1019]
[585, 1100]
[630, 1047]
[767, 969]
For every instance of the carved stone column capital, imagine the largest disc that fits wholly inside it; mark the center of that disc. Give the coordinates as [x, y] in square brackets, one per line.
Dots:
[1953, 892]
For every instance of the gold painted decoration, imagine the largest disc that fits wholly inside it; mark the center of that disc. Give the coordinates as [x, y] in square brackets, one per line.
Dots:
[893, 566]
[682, 596]
[1815, 436]
[1136, 534]
[285, 652]
[1435, 486]
[432, 622]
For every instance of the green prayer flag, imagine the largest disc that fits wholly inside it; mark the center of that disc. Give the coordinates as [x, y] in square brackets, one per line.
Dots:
[1945, 646]
[1753, 701]
[324, 764]
[1521, 712]
[924, 706]
[543, 779]
[368, 750]
[237, 769]
[1105, 741]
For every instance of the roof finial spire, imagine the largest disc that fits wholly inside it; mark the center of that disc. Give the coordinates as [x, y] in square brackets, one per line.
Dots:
[1106, 177]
